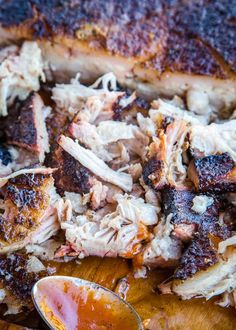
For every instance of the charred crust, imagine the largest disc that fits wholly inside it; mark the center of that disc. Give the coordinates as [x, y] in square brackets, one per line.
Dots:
[167, 120]
[15, 12]
[138, 105]
[188, 36]
[210, 21]
[5, 156]
[21, 126]
[211, 170]
[29, 180]
[152, 167]
[13, 273]
[23, 197]
[187, 55]
[179, 204]
[71, 175]
[200, 255]
[27, 204]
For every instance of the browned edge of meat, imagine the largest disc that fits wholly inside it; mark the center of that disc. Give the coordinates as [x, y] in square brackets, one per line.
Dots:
[213, 173]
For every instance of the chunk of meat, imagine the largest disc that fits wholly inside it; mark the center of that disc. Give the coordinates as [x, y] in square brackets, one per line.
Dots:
[213, 173]
[25, 126]
[163, 250]
[71, 176]
[213, 139]
[157, 47]
[90, 104]
[179, 204]
[165, 165]
[89, 160]
[114, 232]
[209, 281]
[199, 255]
[29, 215]
[19, 273]
[20, 73]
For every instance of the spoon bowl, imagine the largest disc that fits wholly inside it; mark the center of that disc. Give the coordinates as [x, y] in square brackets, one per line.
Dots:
[66, 303]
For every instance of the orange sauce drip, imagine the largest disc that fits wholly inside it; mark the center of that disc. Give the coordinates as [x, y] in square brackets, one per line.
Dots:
[70, 307]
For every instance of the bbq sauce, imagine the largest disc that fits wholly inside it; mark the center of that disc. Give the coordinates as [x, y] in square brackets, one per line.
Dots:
[70, 307]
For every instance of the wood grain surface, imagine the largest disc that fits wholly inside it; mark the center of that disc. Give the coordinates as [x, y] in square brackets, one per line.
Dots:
[164, 311]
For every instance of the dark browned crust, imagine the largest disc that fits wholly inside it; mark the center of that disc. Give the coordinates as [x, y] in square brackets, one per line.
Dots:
[21, 125]
[213, 173]
[29, 180]
[153, 171]
[196, 37]
[27, 198]
[138, 105]
[71, 176]
[200, 255]
[5, 156]
[16, 279]
[178, 203]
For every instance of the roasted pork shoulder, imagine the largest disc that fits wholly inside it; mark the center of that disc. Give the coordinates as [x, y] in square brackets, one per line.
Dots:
[158, 48]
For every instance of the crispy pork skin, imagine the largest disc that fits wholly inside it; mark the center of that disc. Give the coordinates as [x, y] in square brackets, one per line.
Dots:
[25, 126]
[213, 173]
[156, 47]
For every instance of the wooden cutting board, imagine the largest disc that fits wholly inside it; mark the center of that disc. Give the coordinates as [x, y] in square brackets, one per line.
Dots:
[165, 311]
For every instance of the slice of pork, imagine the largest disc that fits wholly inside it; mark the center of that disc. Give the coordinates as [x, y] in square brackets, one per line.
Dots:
[28, 214]
[26, 128]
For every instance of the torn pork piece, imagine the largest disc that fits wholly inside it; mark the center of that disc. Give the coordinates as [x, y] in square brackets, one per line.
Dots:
[165, 165]
[28, 214]
[213, 173]
[205, 272]
[164, 250]
[90, 103]
[191, 212]
[26, 128]
[19, 273]
[161, 108]
[70, 175]
[112, 231]
[199, 256]
[213, 139]
[20, 73]
[96, 165]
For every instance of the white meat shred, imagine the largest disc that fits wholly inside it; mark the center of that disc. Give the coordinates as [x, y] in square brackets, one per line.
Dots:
[20, 73]
[166, 109]
[214, 138]
[201, 203]
[96, 165]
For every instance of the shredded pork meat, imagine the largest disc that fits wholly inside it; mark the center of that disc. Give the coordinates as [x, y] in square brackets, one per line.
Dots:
[120, 177]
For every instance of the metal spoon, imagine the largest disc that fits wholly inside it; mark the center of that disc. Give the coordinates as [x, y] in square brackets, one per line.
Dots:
[37, 295]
